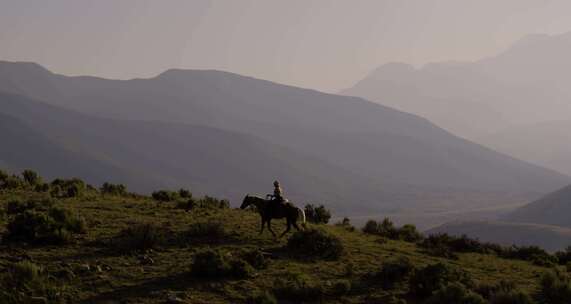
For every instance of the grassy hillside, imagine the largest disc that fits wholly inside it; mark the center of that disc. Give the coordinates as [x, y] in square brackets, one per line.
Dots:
[112, 245]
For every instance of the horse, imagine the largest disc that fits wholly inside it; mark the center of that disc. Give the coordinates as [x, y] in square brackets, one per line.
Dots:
[269, 210]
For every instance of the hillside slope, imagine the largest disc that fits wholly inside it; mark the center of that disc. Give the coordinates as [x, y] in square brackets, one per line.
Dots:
[395, 159]
[108, 262]
[25, 147]
[205, 159]
[552, 209]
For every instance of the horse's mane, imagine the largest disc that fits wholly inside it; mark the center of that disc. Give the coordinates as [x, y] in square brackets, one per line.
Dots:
[256, 196]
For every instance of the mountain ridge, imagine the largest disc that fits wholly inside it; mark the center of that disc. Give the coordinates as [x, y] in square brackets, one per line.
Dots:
[385, 153]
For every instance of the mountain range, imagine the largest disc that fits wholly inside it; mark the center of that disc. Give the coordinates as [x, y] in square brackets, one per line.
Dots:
[226, 134]
[514, 102]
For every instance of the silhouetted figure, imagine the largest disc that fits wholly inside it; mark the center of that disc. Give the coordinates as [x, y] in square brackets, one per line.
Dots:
[277, 197]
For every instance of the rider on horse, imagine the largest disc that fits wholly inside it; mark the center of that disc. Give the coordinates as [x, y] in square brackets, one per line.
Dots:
[277, 197]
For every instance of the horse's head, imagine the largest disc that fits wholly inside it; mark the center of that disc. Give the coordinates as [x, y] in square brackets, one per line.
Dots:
[246, 202]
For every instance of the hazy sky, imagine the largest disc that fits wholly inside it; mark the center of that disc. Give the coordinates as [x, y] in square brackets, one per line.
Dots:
[327, 45]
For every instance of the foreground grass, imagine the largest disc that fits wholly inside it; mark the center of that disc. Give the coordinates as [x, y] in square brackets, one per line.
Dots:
[94, 269]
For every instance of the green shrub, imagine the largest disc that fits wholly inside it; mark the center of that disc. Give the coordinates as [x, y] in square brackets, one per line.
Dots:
[345, 223]
[424, 282]
[255, 258]
[209, 264]
[240, 269]
[31, 177]
[140, 237]
[455, 293]
[54, 227]
[113, 189]
[209, 202]
[298, 288]
[67, 188]
[3, 176]
[43, 187]
[489, 290]
[511, 297]
[317, 215]
[263, 298]
[186, 204]
[23, 279]
[564, 257]
[387, 229]
[12, 182]
[341, 287]
[212, 264]
[445, 245]
[394, 271]
[533, 254]
[184, 193]
[212, 231]
[16, 206]
[315, 243]
[408, 233]
[65, 219]
[371, 227]
[165, 196]
[555, 288]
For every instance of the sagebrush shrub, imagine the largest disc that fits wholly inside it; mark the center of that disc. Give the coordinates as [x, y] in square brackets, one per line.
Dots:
[67, 188]
[455, 293]
[409, 233]
[555, 288]
[56, 226]
[298, 288]
[165, 196]
[263, 298]
[371, 227]
[341, 287]
[212, 231]
[213, 264]
[315, 243]
[511, 297]
[317, 215]
[255, 258]
[113, 189]
[22, 279]
[209, 264]
[240, 269]
[140, 237]
[31, 177]
[427, 280]
[394, 271]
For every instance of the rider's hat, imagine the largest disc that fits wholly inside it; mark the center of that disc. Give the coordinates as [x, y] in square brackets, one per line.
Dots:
[276, 183]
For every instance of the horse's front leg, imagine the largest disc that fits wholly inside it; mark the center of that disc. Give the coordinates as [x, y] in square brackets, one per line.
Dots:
[262, 228]
[270, 227]
[287, 229]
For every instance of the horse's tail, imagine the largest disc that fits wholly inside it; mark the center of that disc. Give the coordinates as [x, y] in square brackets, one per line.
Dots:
[301, 214]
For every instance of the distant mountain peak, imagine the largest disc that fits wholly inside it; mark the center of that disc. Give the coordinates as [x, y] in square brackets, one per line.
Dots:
[393, 67]
[24, 66]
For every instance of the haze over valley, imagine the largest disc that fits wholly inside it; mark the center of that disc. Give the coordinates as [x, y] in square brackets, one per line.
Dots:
[267, 152]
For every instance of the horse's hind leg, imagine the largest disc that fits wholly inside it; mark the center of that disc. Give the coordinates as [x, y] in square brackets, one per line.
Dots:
[296, 226]
[287, 229]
